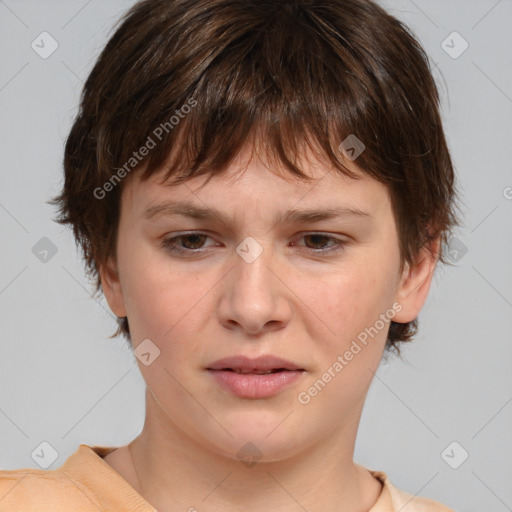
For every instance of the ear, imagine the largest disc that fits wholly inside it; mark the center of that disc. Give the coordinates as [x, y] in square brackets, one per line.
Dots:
[112, 287]
[415, 283]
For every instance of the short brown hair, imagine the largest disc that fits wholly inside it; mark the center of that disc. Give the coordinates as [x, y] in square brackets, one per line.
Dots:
[298, 72]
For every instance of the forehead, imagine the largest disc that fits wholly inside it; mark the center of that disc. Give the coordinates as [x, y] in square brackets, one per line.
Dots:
[251, 182]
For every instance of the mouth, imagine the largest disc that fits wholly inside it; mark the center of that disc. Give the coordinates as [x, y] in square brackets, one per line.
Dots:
[262, 365]
[255, 371]
[258, 378]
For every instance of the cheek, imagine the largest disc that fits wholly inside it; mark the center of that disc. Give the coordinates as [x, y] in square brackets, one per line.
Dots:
[170, 305]
[166, 308]
[349, 300]
[351, 305]
[157, 297]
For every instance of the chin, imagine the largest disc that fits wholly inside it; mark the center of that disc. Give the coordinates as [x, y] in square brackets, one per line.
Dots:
[257, 442]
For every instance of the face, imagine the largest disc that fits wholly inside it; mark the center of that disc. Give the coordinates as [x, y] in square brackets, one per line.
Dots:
[313, 294]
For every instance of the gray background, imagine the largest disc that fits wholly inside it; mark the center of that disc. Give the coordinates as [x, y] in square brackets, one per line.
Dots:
[63, 382]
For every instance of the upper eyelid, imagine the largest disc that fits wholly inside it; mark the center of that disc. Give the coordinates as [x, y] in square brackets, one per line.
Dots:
[302, 234]
[179, 235]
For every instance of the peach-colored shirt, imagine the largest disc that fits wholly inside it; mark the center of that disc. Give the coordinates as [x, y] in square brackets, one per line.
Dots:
[86, 483]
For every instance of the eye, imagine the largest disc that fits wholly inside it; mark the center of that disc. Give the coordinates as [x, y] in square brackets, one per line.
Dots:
[321, 239]
[193, 243]
[190, 243]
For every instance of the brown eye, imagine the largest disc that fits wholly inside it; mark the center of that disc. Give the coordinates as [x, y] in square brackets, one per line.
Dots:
[190, 243]
[318, 240]
[196, 241]
[322, 243]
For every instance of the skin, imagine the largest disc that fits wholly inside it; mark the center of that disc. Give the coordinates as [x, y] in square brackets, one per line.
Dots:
[291, 302]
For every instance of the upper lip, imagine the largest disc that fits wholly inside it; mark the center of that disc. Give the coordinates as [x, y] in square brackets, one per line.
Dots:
[247, 364]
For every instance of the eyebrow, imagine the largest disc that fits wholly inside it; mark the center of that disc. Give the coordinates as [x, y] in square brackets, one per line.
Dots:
[170, 208]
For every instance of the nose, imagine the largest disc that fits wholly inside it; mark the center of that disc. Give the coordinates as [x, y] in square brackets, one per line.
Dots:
[255, 297]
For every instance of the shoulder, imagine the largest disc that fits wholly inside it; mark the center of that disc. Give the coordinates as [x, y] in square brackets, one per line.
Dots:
[84, 483]
[406, 502]
[42, 490]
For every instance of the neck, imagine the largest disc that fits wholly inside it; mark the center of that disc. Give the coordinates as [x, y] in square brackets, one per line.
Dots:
[175, 472]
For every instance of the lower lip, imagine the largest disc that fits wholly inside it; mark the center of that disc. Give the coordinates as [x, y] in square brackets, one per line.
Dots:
[251, 385]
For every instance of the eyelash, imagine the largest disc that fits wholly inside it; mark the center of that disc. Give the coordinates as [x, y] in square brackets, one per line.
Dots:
[168, 244]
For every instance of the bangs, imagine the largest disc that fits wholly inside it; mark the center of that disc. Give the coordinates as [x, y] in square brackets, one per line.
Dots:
[191, 152]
